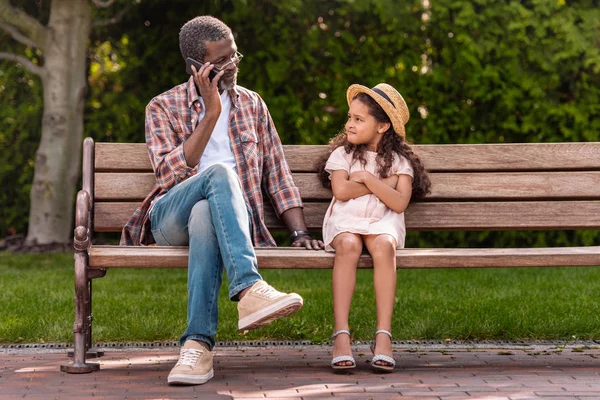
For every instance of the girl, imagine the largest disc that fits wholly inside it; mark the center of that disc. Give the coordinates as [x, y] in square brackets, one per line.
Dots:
[373, 173]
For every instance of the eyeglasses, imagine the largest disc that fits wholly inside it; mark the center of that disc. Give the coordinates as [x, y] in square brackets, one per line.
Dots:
[235, 59]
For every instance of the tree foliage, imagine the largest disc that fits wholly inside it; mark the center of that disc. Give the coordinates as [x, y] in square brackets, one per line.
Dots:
[479, 71]
[21, 107]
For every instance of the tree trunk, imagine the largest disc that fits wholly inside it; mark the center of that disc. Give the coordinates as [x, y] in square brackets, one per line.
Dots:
[59, 154]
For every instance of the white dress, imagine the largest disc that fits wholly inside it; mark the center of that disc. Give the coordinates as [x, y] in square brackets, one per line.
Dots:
[365, 215]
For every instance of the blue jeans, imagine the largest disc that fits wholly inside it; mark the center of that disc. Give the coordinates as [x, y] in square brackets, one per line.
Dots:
[208, 212]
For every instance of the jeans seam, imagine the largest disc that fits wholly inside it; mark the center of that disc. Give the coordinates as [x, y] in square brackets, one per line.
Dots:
[214, 297]
[228, 248]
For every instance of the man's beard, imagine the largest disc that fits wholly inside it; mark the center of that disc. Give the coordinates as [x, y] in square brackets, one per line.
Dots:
[229, 85]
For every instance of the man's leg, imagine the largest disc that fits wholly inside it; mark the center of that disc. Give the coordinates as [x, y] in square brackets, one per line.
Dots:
[219, 186]
[205, 274]
[186, 215]
[205, 267]
[183, 215]
[261, 304]
[231, 221]
[205, 270]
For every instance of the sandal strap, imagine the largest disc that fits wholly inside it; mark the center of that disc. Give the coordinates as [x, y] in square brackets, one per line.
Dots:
[383, 331]
[340, 359]
[336, 333]
[384, 358]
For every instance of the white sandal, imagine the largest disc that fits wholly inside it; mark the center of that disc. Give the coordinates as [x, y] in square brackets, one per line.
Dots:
[336, 360]
[391, 363]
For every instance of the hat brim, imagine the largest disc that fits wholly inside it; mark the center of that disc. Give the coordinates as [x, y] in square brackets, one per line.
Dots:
[388, 107]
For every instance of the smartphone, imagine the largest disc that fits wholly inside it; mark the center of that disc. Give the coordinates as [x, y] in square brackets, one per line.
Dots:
[188, 68]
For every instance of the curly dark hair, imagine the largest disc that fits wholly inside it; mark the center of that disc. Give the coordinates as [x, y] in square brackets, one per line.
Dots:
[390, 144]
[195, 33]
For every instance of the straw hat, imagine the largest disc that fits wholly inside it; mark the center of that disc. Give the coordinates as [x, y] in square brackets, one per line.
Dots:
[389, 99]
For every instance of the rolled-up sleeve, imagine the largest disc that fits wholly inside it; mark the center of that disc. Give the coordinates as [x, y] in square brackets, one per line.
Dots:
[165, 148]
[277, 178]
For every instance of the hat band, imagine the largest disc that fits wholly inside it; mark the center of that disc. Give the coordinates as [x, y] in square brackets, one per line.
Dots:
[382, 94]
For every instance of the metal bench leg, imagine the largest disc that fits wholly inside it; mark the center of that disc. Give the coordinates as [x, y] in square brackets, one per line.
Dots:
[82, 319]
[92, 352]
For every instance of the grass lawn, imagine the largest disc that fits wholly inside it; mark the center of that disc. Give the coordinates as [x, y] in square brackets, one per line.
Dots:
[36, 304]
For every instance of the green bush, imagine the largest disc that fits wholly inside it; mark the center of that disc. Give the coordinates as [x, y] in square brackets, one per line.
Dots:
[20, 119]
[483, 71]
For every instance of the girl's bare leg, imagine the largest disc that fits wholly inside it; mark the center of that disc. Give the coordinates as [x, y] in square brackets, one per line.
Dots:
[348, 248]
[383, 251]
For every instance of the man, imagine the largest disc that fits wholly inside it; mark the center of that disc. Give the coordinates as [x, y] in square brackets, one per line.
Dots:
[214, 149]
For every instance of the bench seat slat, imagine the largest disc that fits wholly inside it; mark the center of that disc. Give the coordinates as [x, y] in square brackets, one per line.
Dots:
[292, 258]
[110, 217]
[445, 186]
[459, 157]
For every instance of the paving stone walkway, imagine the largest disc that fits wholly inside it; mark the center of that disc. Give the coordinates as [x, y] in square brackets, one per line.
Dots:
[294, 372]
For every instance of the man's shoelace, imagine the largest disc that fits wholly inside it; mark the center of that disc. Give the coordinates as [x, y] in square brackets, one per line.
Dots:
[268, 292]
[189, 357]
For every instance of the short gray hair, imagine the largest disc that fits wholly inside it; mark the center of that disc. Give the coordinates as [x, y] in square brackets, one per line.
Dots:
[195, 33]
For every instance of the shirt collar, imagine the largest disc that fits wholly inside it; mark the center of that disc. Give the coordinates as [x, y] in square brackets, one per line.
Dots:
[194, 96]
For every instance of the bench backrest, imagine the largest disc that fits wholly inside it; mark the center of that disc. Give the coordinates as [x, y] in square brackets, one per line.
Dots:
[475, 187]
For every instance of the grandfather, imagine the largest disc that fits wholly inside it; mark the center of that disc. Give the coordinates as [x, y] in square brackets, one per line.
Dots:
[214, 149]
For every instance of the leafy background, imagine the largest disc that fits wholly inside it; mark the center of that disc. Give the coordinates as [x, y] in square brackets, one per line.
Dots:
[480, 71]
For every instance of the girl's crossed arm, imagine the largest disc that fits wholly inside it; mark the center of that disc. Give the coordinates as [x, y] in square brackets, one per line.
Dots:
[396, 198]
[345, 189]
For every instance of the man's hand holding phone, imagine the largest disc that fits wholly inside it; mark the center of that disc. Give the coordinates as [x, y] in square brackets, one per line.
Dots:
[207, 81]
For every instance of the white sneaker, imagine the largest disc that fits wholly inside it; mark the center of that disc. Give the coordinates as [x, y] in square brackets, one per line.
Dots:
[195, 365]
[263, 304]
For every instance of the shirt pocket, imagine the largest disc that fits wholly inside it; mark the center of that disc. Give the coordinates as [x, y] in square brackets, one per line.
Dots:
[250, 148]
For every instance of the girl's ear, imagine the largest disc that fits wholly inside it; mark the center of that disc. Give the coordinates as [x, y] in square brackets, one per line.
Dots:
[383, 127]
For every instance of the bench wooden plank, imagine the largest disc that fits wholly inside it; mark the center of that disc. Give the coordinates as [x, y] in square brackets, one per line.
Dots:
[292, 258]
[110, 217]
[573, 185]
[451, 157]
[464, 186]
[481, 157]
[117, 157]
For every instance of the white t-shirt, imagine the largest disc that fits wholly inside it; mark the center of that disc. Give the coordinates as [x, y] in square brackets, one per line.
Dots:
[218, 148]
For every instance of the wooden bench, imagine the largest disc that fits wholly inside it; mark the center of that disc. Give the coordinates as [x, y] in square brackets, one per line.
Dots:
[546, 186]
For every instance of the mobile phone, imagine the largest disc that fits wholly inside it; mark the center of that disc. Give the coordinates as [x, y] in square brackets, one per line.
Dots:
[188, 68]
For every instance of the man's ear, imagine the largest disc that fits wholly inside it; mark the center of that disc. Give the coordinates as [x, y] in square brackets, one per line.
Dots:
[383, 127]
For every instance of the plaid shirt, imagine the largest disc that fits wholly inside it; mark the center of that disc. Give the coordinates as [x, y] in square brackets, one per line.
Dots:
[260, 162]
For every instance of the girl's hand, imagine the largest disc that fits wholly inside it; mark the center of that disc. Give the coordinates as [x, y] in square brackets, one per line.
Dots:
[391, 181]
[360, 176]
